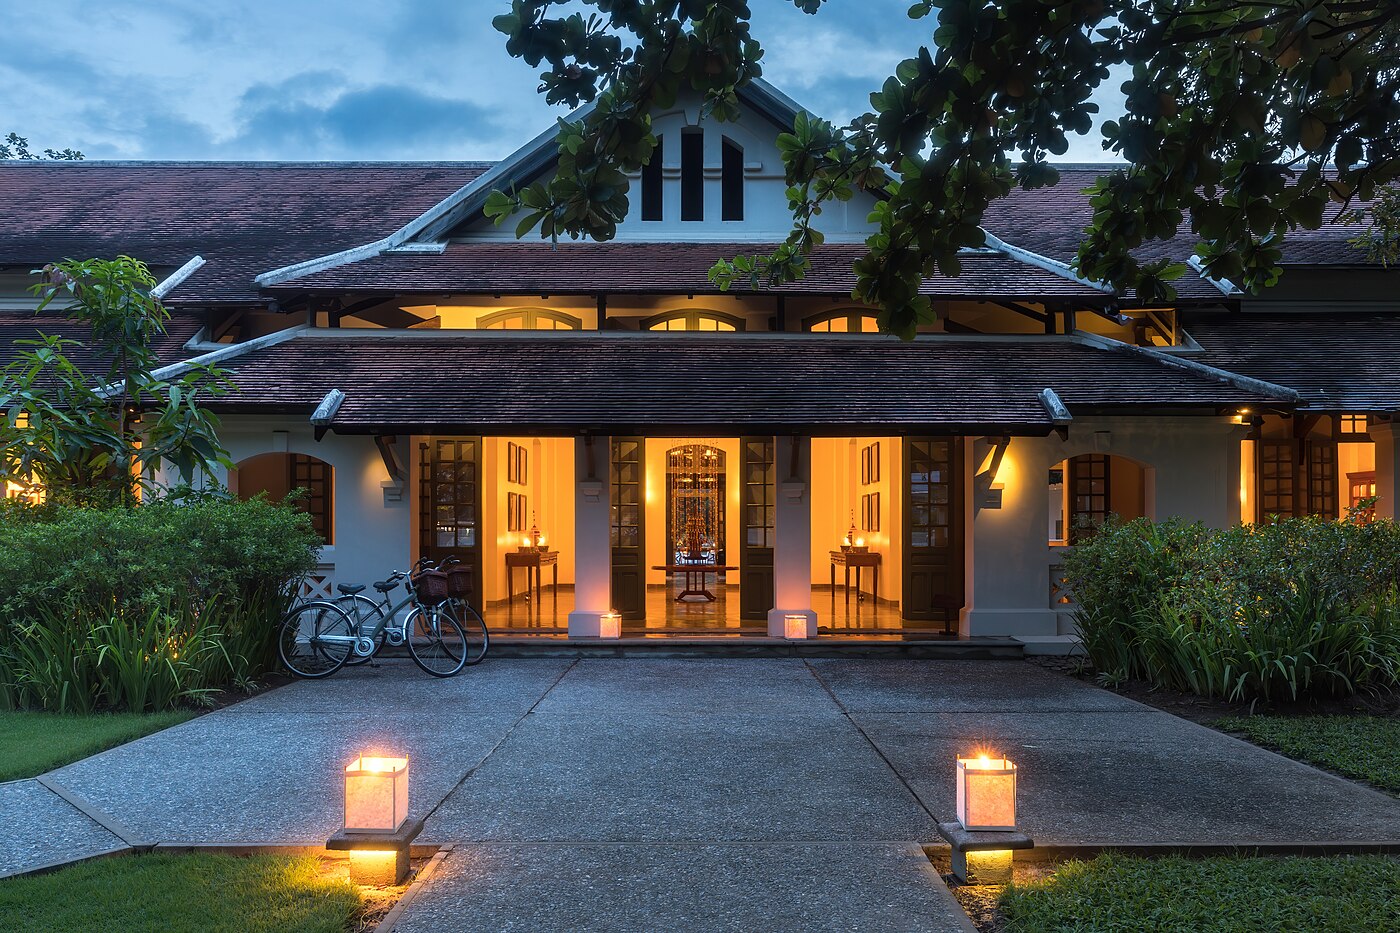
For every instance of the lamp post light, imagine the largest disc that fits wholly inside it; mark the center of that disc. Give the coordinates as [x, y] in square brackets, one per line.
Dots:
[794, 626]
[985, 834]
[610, 624]
[377, 832]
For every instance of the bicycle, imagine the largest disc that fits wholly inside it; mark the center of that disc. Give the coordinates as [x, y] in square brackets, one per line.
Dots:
[363, 609]
[317, 638]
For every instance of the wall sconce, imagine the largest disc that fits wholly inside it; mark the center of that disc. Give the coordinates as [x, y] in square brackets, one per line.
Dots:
[794, 626]
[986, 793]
[610, 624]
[377, 832]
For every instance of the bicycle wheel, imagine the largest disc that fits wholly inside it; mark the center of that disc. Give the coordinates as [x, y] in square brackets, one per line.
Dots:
[367, 613]
[478, 639]
[436, 641]
[302, 640]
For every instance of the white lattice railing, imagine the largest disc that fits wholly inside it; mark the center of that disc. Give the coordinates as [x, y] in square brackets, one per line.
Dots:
[319, 583]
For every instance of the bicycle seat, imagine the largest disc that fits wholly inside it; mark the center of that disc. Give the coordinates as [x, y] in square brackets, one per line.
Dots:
[384, 586]
[351, 589]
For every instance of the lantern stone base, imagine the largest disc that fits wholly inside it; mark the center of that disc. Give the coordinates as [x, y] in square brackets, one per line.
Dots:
[377, 859]
[982, 856]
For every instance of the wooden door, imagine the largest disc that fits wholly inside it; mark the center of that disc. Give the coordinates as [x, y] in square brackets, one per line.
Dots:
[758, 475]
[629, 571]
[449, 504]
[933, 529]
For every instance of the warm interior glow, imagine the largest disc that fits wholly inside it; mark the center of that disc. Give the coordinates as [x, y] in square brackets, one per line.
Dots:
[377, 764]
[860, 542]
[795, 625]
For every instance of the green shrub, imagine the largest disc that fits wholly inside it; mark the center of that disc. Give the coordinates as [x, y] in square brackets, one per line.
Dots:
[1284, 611]
[144, 608]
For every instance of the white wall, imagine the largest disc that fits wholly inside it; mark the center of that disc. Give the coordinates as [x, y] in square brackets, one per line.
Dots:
[372, 533]
[1191, 470]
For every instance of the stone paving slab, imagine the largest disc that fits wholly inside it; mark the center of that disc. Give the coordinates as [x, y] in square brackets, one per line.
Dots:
[727, 686]
[1136, 778]
[240, 777]
[41, 828]
[908, 686]
[693, 776]
[491, 687]
[711, 888]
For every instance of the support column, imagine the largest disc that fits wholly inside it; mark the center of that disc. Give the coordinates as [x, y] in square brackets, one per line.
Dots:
[592, 537]
[1387, 439]
[792, 552]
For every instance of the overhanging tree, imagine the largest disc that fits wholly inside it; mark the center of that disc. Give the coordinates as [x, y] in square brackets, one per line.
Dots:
[15, 146]
[99, 435]
[1243, 120]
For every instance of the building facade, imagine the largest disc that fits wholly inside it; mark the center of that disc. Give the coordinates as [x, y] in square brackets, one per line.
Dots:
[595, 427]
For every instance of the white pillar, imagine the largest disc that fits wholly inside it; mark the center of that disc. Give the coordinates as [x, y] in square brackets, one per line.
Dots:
[792, 552]
[1387, 439]
[592, 537]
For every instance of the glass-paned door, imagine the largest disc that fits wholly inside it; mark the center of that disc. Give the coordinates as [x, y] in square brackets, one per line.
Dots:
[1089, 478]
[760, 531]
[933, 545]
[449, 503]
[628, 527]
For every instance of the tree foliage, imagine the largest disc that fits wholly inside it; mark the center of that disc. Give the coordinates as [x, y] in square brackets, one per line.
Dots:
[99, 435]
[1242, 122]
[15, 146]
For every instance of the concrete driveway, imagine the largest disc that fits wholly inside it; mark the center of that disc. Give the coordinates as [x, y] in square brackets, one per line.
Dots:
[711, 794]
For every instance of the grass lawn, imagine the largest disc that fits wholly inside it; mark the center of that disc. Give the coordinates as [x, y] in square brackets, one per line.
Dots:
[1362, 747]
[176, 893]
[32, 743]
[1119, 894]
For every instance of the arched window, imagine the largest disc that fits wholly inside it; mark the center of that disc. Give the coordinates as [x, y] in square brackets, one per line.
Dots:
[529, 319]
[843, 321]
[278, 474]
[731, 181]
[694, 319]
[1086, 489]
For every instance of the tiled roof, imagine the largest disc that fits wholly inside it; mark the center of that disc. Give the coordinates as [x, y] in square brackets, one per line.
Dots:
[565, 382]
[16, 326]
[244, 218]
[1051, 222]
[1338, 363]
[674, 268]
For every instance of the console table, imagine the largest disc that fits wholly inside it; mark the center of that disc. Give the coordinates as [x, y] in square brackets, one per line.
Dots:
[534, 562]
[694, 578]
[848, 559]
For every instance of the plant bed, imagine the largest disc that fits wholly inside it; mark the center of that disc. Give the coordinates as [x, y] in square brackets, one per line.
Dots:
[1229, 894]
[189, 892]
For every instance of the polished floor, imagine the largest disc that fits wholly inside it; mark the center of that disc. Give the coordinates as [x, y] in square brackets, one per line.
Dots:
[837, 615]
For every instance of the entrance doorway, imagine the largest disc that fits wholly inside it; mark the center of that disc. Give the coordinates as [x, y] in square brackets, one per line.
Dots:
[695, 505]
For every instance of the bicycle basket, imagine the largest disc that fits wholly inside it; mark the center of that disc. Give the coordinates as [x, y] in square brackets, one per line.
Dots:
[431, 587]
[460, 582]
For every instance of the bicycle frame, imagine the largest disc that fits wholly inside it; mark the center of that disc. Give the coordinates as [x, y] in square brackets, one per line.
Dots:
[389, 613]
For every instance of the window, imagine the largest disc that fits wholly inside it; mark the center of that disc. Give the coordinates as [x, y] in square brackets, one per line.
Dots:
[843, 321]
[529, 319]
[759, 505]
[732, 181]
[692, 175]
[1357, 425]
[276, 475]
[930, 478]
[694, 320]
[1089, 495]
[651, 182]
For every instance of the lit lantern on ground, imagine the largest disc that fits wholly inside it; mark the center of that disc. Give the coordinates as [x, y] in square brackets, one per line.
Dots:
[986, 793]
[376, 794]
[794, 625]
[610, 625]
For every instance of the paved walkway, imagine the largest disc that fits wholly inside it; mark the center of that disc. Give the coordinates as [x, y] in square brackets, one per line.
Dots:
[635, 794]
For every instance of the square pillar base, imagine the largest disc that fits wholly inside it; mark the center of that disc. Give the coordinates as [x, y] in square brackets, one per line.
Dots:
[584, 624]
[777, 621]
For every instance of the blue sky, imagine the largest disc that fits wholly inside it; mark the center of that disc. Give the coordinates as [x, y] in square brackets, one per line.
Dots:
[354, 79]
